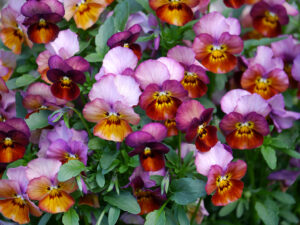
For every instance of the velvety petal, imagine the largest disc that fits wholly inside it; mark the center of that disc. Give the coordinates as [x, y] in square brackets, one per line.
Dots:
[237, 141]
[286, 49]
[230, 99]
[233, 42]
[38, 188]
[175, 88]
[151, 72]
[186, 112]
[126, 113]
[237, 169]
[43, 35]
[67, 93]
[154, 162]
[155, 4]
[234, 3]
[19, 124]
[157, 130]
[57, 62]
[10, 154]
[9, 188]
[200, 44]
[78, 63]
[208, 140]
[42, 62]
[182, 54]
[31, 8]
[96, 110]
[80, 149]
[176, 71]
[248, 80]
[214, 172]
[138, 138]
[42, 167]
[118, 39]
[57, 203]
[217, 155]
[12, 39]
[33, 102]
[68, 186]
[58, 150]
[252, 103]
[229, 121]
[3, 87]
[15, 212]
[260, 123]
[287, 176]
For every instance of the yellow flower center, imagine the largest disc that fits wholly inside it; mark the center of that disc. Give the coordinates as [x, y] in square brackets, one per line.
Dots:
[54, 191]
[82, 6]
[270, 19]
[189, 79]
[43, 107]
[2, 118]
[113, 118]
[223, 183]
[126, 45]
[42, 23]
[19, 200]
[170, 123]
[147, 151]
[69, 156]
[201, 131]
[163, 98]
[65, 81]
[245, 129]
[8, 142]
[218, 52]
[262, 85]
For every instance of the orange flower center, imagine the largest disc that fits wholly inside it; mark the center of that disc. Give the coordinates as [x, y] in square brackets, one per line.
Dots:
[19, 200]
[65, 81]
[217, 52]
[245, 129]
[69, 156]
[201, 131]
[147, 151]
[262, 85]
[113, 118]
[270, 19]
[82, 6]
[223, 183]
[163, 98]
[126, 45]
[54, 191]
[170, 123]
[42, 23]
[190, 79]
[8, 142]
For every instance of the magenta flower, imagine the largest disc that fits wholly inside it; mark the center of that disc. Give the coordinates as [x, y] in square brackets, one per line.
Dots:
[244, 125]
[217, 41]
[7, 104]
[194, 119]
[146, 144]
[41, 18]
[195, 79]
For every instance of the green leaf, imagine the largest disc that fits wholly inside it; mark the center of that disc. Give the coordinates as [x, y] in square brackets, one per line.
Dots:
[146, 38]
[107, 158]
[70, 169]
[25, 80]
[106, 30]
[291, 153]
[285, 139]
[25, 68]
[157, 178]
[70, 217]
[269, 155]
[45, 218]
[187, 190]
[94, 57]
[20, 110]
[289, 216]
[182, 217]
[96, 143]
[156, 217]
[113, 215]
[100, 179]
[263, 41]
[172, 157]
[284, 197]
[240, 209]
[268, 216]
[38, 120]
[226, 210]
[121, 13]
[145, 5]
[124, 201]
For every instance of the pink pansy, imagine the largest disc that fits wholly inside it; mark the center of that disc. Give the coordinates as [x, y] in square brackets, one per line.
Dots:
[219, 155]
[119, 60]
[112, 88]
[7, 64]
[158, 71]
[282, 118]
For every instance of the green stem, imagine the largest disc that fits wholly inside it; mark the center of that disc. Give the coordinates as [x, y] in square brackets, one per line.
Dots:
[83, 121]
[196, 210]
[250, 168]
[179, 148]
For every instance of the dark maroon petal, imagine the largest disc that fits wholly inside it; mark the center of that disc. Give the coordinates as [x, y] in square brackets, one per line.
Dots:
[56, 62]
[31, 8]
[4, 127]
[206, 115]
[281, 12]
[233, 43]
[67, 93]
[19, 124]
[137, 183]
[259, 9]
[158, 147]
[136, 48]
[76, 76]
[191, 132]
[227, 124]
[118, 39]
[200, 72]
[137, 151]
[204, 144]
[260, 123]
[176, 88]
[138, 138]
[52, 17]
[31, 20]
[54, 75]
[18, 137]
[78, 63]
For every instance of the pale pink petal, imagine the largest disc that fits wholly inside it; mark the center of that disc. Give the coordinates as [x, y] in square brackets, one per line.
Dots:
[8, 59]
[42, 167]
[151, 72]
[18, 174]
[96, 110]
[127, 113]
[182, 54]
[292, 11]
[217, 155]
[70, 8]
[296, 68]
[230, 99]
[276, 102]
[176, 71]
[157, 130]
[187, 148]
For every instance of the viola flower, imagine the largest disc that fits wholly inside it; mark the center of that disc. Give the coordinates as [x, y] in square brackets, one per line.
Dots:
[234, 3]
[57, 47]
[296, 72]
[149, 200]
[282, 118]
[195, 79]
[170, 124]
[3, 87]
[245, 125]
[60, 131]
[126, 39]
[146, 144]
[193, 118]
[217, 41]
[265, 75]
[174, 12]
[14, 203]
[39, 97]
[53, 196]
[65, 75]
[226, 182]
[41, 18]
[269, 17]
[13, 33]
[7, 64]
[7, 104]
[145, 176]
[14, 137]
[112, 119]
[85, 12]
[163, 93]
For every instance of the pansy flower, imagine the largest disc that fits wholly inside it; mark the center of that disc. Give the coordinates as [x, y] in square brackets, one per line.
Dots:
[175, 12]
[194, 119]
[245, 125]
[265, 75]
[65, 75]
[163, 92]
[171, 126]
[14, 137]
[234, 3]
[127, 39]
[145, 176]
[14, 203]
[85, 12]
[146, 144]
[58, 47]
[7, 103]
[217, 41]
[53, 195]
[195, 79]
[7, 64]
[12, 32]
[296, 72]
[41, 18]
